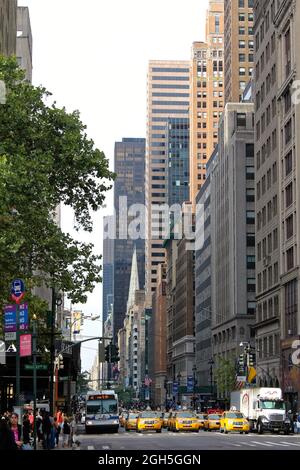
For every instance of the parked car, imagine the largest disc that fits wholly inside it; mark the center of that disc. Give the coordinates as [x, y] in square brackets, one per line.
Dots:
[234, 421]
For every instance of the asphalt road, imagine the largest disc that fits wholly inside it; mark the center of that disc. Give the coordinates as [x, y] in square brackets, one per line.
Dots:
[186, 441]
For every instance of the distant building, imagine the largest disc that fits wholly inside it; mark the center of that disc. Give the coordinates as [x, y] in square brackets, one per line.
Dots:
[8, 29]
[108, 269]
[129, 184]
[24, 42]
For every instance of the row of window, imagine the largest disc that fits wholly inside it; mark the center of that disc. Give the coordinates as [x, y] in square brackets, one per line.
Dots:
[245, 3]
[265, 25]
[267, 213]
[216, 84]
[265, 57]
[267, 278]
[268, 309]
[266, 181]
[243, 44]
[268, 346]
[266, 149]
[267, 246]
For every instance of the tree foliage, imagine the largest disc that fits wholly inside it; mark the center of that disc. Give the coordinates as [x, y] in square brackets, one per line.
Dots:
[225, 375]
[46, 159]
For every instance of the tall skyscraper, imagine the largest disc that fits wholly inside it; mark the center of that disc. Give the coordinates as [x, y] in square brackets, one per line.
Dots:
[238, 47]
[268, 197]
[233, 233]
[168, 97]
[8, 27]
[207, 100]
[108, 269]
[24, 41]
[129, 184]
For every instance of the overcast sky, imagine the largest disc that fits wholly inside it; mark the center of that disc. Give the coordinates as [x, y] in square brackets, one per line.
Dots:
[93, 55]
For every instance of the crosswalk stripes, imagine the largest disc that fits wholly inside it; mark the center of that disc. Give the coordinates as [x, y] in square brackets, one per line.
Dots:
[277, 444]
[248, 444]
[291, 443]
[263, 444]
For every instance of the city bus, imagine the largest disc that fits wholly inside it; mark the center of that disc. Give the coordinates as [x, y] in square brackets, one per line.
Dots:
[101, 411]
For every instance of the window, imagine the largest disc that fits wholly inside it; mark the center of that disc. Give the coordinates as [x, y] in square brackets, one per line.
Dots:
[275, 239]
[251, 308]
[289, 195]
[288, 131]
[275, 206]
[250, 172]
[290, 258]
[270, 277]
[250, 262]
[242, 44]
[250, 195]
[289, 226]
[250, 217]
[250, 239]
[287, 40]
[242, 71]
[276, 278]
[259, 251]
[291, 307]
[270, 243]
[249, 150]
[242, 57]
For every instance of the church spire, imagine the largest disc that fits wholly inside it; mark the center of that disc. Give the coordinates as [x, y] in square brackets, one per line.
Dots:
[134, 281]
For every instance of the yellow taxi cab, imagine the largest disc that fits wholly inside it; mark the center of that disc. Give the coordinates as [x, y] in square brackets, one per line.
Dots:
[202, 418]
[212, 422]
[149, 420]
[166, 418]
[184, 421]
[234, 421]
[123, 417]
[131, 421]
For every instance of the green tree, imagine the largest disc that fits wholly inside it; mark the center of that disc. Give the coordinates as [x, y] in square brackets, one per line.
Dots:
[225, 375]
[46, 159]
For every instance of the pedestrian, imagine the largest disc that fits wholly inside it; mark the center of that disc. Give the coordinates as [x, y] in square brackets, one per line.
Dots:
[298, 424]
[66, 433]
[26, 429]
[16, 429]
[39, 431]
[7, 441]
[57, 430]
[46, 429]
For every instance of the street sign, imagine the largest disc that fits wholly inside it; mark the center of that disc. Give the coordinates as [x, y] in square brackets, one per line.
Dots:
[25, 345]
[241, 378]
[17, 290]
[38, 367]
[10, 318]
[24, 323]
[10, 336]
[175, 388]
[190, 384]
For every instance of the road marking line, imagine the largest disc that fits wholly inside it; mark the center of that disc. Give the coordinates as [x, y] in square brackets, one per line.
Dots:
[105, 447]
[291, 443]
[247, 444]
[262, 444]
[277, 444]
[236, 445]
[91, 448]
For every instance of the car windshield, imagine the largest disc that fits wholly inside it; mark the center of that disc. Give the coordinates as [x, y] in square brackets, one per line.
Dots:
[185, 415]
[234, 415]
[148, 414]
[201, 416]
[132, 416]
[272, 405]
[214, 417]
[101, 407]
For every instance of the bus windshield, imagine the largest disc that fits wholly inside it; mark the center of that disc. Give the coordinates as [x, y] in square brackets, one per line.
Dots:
[272, 405]
[101, 407]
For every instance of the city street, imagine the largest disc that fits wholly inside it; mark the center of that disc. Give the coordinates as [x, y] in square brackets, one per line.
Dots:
[186, 441]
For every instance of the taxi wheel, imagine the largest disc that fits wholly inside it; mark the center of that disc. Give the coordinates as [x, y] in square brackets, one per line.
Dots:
[221, 430]
[158, 430]
[138, 430]
[225, 430]
[241, 432]
[246, 432]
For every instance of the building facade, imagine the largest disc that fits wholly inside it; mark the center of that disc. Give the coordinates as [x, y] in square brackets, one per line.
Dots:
[8, 27]
[24, 42]
[233, 234]
[167, 97]
[238, 48]
[287, 24]
[267, 182]
[129, 189]
[108, 268]
[207, 95]
[203, 305]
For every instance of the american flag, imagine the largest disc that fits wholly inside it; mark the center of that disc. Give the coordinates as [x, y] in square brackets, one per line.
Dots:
[147, 381]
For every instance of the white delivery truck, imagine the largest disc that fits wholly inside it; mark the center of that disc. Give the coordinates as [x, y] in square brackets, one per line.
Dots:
[263, 407]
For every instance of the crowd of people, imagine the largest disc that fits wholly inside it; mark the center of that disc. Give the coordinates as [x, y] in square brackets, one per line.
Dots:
[51, 431]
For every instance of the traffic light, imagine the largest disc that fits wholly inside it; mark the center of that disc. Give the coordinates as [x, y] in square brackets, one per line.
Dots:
[60, 361]
[115, 354]
[108, 353]
[251, 359]
[241, 363]
[101, 352]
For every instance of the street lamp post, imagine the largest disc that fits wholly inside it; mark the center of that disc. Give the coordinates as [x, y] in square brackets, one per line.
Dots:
[211, 363]
[194, 385]
[178, 381]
